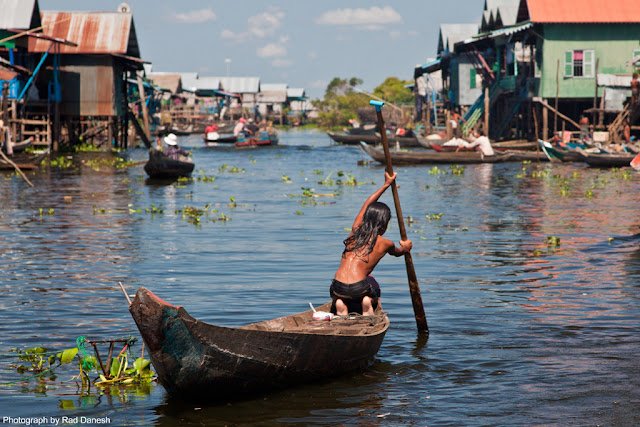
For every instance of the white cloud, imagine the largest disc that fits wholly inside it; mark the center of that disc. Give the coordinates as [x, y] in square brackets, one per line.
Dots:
[196, 16]
[371, 19]
[266, 23]
[234, 37]
[272, 50]
[319, 84]
[281, 63]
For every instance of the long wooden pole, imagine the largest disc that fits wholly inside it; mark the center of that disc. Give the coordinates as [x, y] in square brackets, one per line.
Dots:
[16, 168]
[414, 288]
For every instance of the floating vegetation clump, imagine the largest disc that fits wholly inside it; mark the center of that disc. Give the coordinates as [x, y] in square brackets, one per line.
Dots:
[61, 162]
[230, 169]
[343, 179]
[553, 241]
[436, 171]
[44, 211]
[457, 169]
[309, 197]
[434, 216]
[196, 216]
[39, 361]
[88, 148]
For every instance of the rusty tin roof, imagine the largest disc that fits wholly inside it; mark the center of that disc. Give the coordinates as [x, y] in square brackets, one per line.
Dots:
[93, 32]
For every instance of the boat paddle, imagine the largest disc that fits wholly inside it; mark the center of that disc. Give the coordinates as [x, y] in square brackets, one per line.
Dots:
[416, 298]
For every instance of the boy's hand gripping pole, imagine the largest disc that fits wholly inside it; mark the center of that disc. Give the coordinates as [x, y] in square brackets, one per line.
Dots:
[414, 288]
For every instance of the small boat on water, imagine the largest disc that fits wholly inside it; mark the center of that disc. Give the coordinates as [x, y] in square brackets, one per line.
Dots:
[263, 138]
[215, 139]
[193, 358]
[451, 157]
[348, 139]
[161, 166]
[559, 154]
[606, 160]
[24, 160]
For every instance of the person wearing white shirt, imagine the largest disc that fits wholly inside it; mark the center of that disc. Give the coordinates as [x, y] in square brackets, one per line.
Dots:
[482, 144]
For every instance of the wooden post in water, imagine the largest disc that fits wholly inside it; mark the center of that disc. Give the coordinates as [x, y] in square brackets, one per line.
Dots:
[143, 106]
[414, 288]
[487, 102]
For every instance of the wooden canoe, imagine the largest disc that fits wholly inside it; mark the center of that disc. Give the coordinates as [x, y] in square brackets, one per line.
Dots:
[347, 139]
[223, 140]
[24, 160]
[451, 157]
[604, 160]
[559, 154]
[262, 139]
[196, 358]
[161, 166]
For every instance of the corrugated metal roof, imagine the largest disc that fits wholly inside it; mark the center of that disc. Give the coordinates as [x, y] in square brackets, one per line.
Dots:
[241, 84]
[93, 32]
[19, 14]
[584, 11]
[171, 82]
[268, 87]
[295, 92]
[451, 34]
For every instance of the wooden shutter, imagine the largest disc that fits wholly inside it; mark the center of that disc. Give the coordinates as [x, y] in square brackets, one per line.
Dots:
[588, 61]
[568, 63]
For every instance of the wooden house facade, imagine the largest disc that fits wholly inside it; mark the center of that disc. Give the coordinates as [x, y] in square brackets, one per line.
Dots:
[553, 63]
[94, 72]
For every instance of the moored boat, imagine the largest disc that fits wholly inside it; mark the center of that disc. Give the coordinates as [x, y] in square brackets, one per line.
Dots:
[348, 139]
[559, 154]
[606, 160]
[23, 160]
[193, 358]
[263, 138]
[161, 166]
[450, 157]
[214, 139]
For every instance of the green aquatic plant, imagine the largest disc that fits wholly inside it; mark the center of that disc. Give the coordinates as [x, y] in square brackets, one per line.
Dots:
[589, 194]
[435, 216]
[457, 169]
[44, 211]
[154, 210]
[87, 148]
[436, 171]
[285, 178]
[553, 241]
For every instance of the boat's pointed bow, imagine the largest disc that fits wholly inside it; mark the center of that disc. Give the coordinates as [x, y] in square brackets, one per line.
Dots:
[147, 310]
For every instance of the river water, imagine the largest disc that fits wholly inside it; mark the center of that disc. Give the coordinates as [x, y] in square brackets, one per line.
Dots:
[529, 275]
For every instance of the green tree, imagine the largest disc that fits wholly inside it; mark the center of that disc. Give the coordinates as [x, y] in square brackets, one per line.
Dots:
[393, 90]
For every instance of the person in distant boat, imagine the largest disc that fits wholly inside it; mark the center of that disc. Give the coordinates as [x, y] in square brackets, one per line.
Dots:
[635, 88]
[626, 132]
[252, 128]
[353, 288]
[239, 127]
[211, 132]
[482, 144]
[173, 150]
[456, 122]
[584, 128]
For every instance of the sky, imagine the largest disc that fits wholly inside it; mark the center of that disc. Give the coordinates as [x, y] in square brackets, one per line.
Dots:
[303, 43]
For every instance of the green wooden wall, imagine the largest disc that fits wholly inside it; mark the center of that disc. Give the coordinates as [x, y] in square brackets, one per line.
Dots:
[613, 45]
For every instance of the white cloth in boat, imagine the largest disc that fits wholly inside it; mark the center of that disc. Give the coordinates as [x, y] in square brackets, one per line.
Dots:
[456, 142]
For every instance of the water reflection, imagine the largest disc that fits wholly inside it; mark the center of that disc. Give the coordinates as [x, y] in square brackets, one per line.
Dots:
[545, 333]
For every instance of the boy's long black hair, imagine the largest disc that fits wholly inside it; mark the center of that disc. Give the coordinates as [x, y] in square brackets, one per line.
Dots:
[374, 222]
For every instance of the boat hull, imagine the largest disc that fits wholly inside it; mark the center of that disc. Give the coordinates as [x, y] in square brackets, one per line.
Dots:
[347, 139]
[460, 157]
[161, 166]
[196, 358]
[607, 160]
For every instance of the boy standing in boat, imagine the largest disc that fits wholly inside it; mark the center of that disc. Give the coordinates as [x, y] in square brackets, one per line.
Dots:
[352, 285]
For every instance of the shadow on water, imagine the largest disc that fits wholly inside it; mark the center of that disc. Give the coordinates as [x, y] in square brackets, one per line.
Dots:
[344, 400]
